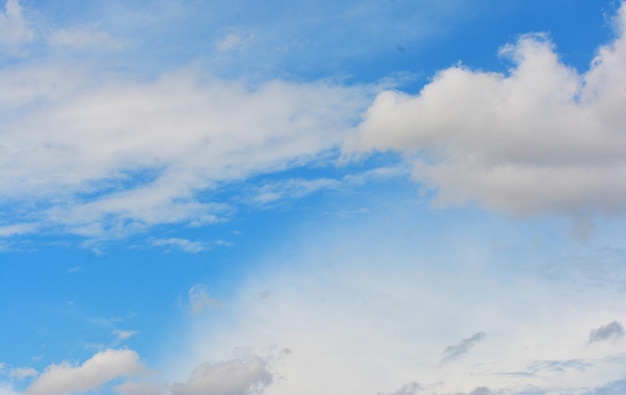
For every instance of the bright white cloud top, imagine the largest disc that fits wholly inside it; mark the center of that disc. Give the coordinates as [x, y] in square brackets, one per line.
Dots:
[540, 139]
[363, 197]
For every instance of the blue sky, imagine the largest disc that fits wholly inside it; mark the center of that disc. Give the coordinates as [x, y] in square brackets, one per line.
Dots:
[382, 197]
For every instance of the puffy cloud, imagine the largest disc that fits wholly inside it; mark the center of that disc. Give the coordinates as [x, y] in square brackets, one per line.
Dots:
[541, 138]
[14, 29]
[454, 351]
[235, 377]
[98, 370]
[611, 331]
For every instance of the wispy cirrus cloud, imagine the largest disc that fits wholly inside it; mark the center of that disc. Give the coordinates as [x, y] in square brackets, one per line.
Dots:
[174, 243]
[131, 155]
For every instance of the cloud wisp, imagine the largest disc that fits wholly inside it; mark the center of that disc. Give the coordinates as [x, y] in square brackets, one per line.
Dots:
[120, 157]
[455, 351]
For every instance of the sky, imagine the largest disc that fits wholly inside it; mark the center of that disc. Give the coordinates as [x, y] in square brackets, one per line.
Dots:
[373, 197]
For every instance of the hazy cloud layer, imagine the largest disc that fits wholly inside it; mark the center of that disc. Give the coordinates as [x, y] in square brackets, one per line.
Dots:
[612, 331]
[541, 138]
[103, 367]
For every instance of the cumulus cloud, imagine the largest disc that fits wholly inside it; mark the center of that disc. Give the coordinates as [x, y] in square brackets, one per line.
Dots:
[612, 331]
[64, 378]
[456, 350]
[235, 377]
[14, 29]
[541, 138]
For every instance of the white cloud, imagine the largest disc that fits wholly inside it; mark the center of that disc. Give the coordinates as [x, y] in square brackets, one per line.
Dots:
[199, 299]
[124, 335]
[292, 189]
[14, 29]
[22, 373]
[180, 244]
[103, 367]
[119, 156]
[542, 138]
[368, 305]
[233, 41]
[84, 38]
[16, 229]
[234, 377]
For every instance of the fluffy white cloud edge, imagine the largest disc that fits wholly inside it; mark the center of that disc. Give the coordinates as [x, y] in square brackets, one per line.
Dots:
[540, 139]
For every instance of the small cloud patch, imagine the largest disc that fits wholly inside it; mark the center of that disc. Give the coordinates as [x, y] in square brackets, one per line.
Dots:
[612, 331]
